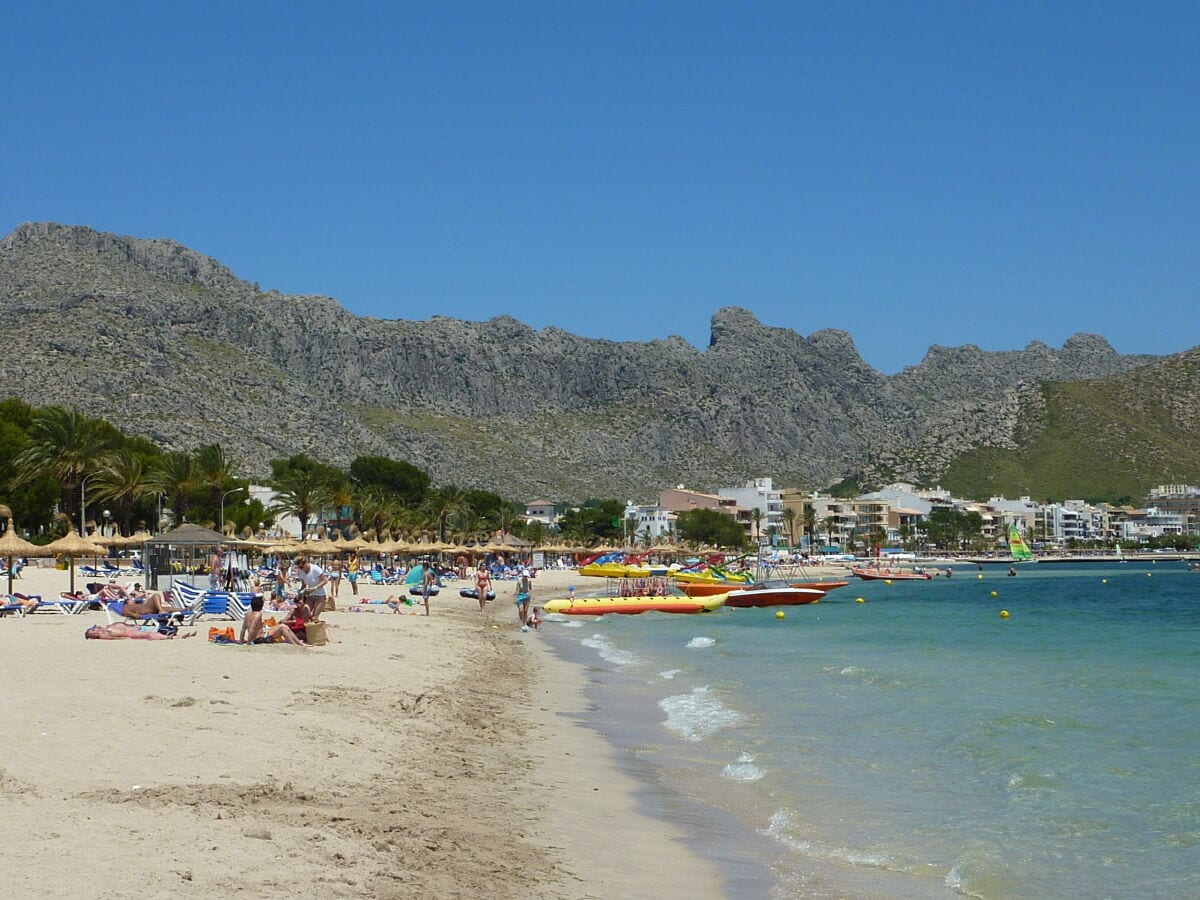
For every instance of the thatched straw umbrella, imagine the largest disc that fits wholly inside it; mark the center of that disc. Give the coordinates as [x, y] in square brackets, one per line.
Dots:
[72, 545]
[13, 545]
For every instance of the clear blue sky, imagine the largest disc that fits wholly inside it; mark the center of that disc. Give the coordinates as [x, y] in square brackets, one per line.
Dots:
[950, 173]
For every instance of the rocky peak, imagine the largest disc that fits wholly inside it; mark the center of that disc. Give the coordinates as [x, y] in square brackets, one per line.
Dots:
[731, 324]
[1088, 343]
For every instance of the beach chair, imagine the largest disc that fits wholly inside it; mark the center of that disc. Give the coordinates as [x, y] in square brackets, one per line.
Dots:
[8, 608]
[186, 595]
[93, 572]
[66, 605]
[114, 610]
[219, 603]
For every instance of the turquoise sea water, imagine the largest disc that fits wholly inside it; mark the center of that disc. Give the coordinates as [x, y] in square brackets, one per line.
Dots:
[918, 744]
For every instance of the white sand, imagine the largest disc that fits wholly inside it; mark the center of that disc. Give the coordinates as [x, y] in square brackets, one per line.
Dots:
[413, 757]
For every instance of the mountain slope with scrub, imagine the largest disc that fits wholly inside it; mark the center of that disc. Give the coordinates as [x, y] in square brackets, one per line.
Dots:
[170, 344]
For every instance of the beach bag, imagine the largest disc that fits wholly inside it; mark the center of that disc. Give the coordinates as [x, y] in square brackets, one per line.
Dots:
[316, 634]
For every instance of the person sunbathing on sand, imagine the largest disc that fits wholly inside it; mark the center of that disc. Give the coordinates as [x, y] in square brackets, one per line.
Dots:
[255, 632]
[119, 631]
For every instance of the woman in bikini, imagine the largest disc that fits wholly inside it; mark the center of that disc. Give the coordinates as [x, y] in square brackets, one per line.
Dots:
[119, 631]
[483, 581]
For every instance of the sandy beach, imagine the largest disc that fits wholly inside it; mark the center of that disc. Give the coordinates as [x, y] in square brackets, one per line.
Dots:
[412, 756]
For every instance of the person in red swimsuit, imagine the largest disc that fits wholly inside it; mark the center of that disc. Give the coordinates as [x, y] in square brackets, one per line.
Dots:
[297, 620]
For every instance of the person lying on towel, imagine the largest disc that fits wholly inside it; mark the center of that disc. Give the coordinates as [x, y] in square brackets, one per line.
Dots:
[119, 631]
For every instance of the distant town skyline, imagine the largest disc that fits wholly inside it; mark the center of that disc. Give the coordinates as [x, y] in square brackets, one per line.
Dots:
[989, 174]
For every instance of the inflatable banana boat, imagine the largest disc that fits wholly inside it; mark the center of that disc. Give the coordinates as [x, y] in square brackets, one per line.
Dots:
[631, 606]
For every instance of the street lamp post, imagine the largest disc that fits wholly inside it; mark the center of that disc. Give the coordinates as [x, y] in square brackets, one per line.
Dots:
[221, 524]
[83, 503]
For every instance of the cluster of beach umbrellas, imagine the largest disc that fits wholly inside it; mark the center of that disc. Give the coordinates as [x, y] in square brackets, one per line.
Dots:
[74, 545]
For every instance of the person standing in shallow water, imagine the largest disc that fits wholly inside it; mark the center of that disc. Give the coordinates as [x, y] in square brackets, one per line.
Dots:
[524, 593]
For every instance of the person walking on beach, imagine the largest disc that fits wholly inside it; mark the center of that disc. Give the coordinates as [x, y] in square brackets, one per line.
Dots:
[428, 582]
[483, 583]
[524, 592]
[352, 573]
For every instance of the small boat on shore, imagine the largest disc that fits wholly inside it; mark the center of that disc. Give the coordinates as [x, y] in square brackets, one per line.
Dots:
[632, 606]
[891, 575]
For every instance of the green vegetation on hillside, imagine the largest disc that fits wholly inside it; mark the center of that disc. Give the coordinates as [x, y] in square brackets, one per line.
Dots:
[1108, 439]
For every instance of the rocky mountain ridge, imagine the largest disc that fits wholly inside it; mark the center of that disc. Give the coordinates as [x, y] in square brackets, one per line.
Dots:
[169, 343]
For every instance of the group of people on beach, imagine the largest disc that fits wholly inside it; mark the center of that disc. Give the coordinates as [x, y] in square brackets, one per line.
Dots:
[315, 585]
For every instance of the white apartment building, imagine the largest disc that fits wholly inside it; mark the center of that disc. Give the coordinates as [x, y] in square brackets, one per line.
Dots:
[541, 511]
[654, 522]
[1152, 522]
[759, 494]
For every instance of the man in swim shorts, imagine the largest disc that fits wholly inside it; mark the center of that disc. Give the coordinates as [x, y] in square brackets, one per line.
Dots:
[255, 632]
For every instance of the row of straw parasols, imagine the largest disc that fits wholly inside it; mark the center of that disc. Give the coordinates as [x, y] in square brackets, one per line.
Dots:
[71, 544]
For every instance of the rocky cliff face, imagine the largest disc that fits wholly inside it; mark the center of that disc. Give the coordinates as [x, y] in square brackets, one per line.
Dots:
[168, 343]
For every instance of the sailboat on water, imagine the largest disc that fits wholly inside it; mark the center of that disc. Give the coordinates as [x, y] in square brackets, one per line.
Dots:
[1017, 548]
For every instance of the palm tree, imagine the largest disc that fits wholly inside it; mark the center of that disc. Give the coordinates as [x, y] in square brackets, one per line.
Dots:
[302, 492]
[468, 523]
[536, 532]
[810, 525]
[878, 536]
[756, 516]
[341, 496]
[442, 503]
[125, 479]
[789, 519]
[66, 445]
[215, 470]
[369, 508]
[177, 477]
[506, 514]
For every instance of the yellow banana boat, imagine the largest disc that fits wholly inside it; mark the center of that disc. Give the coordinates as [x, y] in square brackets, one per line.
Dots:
[632, 606]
